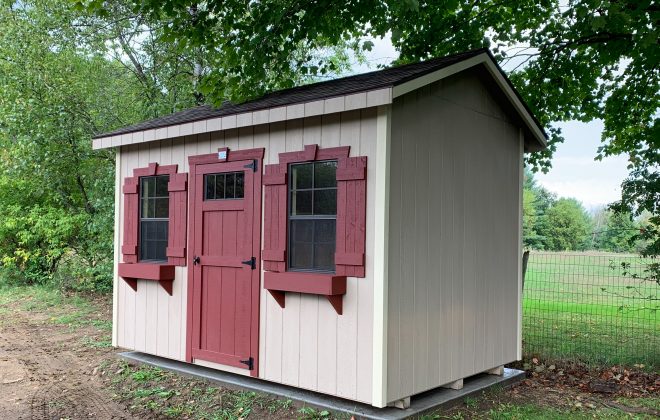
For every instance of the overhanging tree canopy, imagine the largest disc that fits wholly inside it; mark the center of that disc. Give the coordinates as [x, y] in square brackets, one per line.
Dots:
[576, 60]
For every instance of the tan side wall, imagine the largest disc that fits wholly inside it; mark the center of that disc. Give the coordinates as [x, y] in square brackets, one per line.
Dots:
[453, 236]
[306, 344]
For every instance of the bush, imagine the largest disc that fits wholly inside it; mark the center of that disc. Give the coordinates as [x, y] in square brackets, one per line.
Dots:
[34, 240]
[49, 245]
[74, 274]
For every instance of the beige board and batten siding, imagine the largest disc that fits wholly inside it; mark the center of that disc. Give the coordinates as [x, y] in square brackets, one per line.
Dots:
[307, 344]
[150, 320]
[453, 236]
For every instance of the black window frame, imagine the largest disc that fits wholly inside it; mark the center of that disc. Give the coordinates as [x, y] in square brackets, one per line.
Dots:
[142, 219]
[289, 240]
[215, 191]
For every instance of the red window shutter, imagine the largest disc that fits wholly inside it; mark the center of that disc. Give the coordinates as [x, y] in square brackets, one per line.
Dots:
[351, 216]
[129, 248]
[176, 241]
[275, 217]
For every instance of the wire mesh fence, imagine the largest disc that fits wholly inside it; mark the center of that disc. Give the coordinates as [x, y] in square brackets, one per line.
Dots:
[593, 307]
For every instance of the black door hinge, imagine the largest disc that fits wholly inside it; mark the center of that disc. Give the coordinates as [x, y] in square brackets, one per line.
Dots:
[252, 165]
[249, 362]
[252, 262]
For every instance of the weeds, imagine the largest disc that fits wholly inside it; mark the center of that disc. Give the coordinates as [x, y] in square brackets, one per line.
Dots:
[276, 405]
[144, 374]
[471, 402]
[153, 392]
[309, 413]
[96, 344]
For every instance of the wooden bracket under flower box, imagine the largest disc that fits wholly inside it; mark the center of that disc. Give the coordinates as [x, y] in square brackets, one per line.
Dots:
[329, 285]
[162, 273]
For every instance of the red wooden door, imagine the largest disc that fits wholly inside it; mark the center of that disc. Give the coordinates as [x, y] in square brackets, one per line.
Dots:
[225, 243]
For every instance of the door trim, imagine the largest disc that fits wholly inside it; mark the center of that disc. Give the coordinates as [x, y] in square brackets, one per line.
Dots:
[256, 155]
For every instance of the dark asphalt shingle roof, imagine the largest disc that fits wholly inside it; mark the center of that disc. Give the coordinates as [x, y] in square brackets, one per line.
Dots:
[323, 90]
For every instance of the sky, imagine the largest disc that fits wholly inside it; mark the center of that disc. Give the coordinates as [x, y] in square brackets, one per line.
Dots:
[574, 171]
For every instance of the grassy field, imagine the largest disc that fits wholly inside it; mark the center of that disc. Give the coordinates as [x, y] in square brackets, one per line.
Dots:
[582, 306]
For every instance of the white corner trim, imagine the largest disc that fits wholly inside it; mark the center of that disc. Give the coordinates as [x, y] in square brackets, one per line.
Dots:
[115, 274]
[485, 59]
[381, 228]
[263, 116]
[519, 302]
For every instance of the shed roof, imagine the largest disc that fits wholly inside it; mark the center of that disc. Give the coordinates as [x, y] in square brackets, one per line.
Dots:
[379, 85]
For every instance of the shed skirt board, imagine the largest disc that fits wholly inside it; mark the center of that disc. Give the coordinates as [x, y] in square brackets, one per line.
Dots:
[224, 235]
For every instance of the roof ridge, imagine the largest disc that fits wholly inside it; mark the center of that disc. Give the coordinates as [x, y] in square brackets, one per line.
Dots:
[472, 52]
[325, 89]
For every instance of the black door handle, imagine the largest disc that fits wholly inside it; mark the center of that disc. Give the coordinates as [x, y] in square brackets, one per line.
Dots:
[196, 260]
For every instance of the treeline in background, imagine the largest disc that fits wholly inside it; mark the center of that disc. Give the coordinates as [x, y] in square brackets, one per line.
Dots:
[552, 223]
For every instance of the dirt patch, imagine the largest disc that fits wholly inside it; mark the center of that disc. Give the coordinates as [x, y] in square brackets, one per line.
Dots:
[11, 371]
[47, 370]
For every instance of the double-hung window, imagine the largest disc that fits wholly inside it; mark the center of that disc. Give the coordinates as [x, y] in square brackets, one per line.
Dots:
[315, 214]
[154, 218]
[315, 204]
[312, 216]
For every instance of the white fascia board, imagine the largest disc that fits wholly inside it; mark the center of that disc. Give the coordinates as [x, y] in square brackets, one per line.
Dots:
[484, 59]
[368, 99]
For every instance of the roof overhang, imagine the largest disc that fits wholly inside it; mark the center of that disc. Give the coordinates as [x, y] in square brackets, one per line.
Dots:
[535, 138]
[263, 116]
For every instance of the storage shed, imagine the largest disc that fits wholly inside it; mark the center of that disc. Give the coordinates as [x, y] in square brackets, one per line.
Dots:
[359, 237]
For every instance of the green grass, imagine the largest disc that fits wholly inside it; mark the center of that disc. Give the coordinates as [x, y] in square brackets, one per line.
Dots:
[96, 343]
[31, 297]
[581, 306]
[652, 403]
[72, 311]
[167, 395]
[43, 298]
[538, 412]
[497, 405]
[146, 373]
[160, 392]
